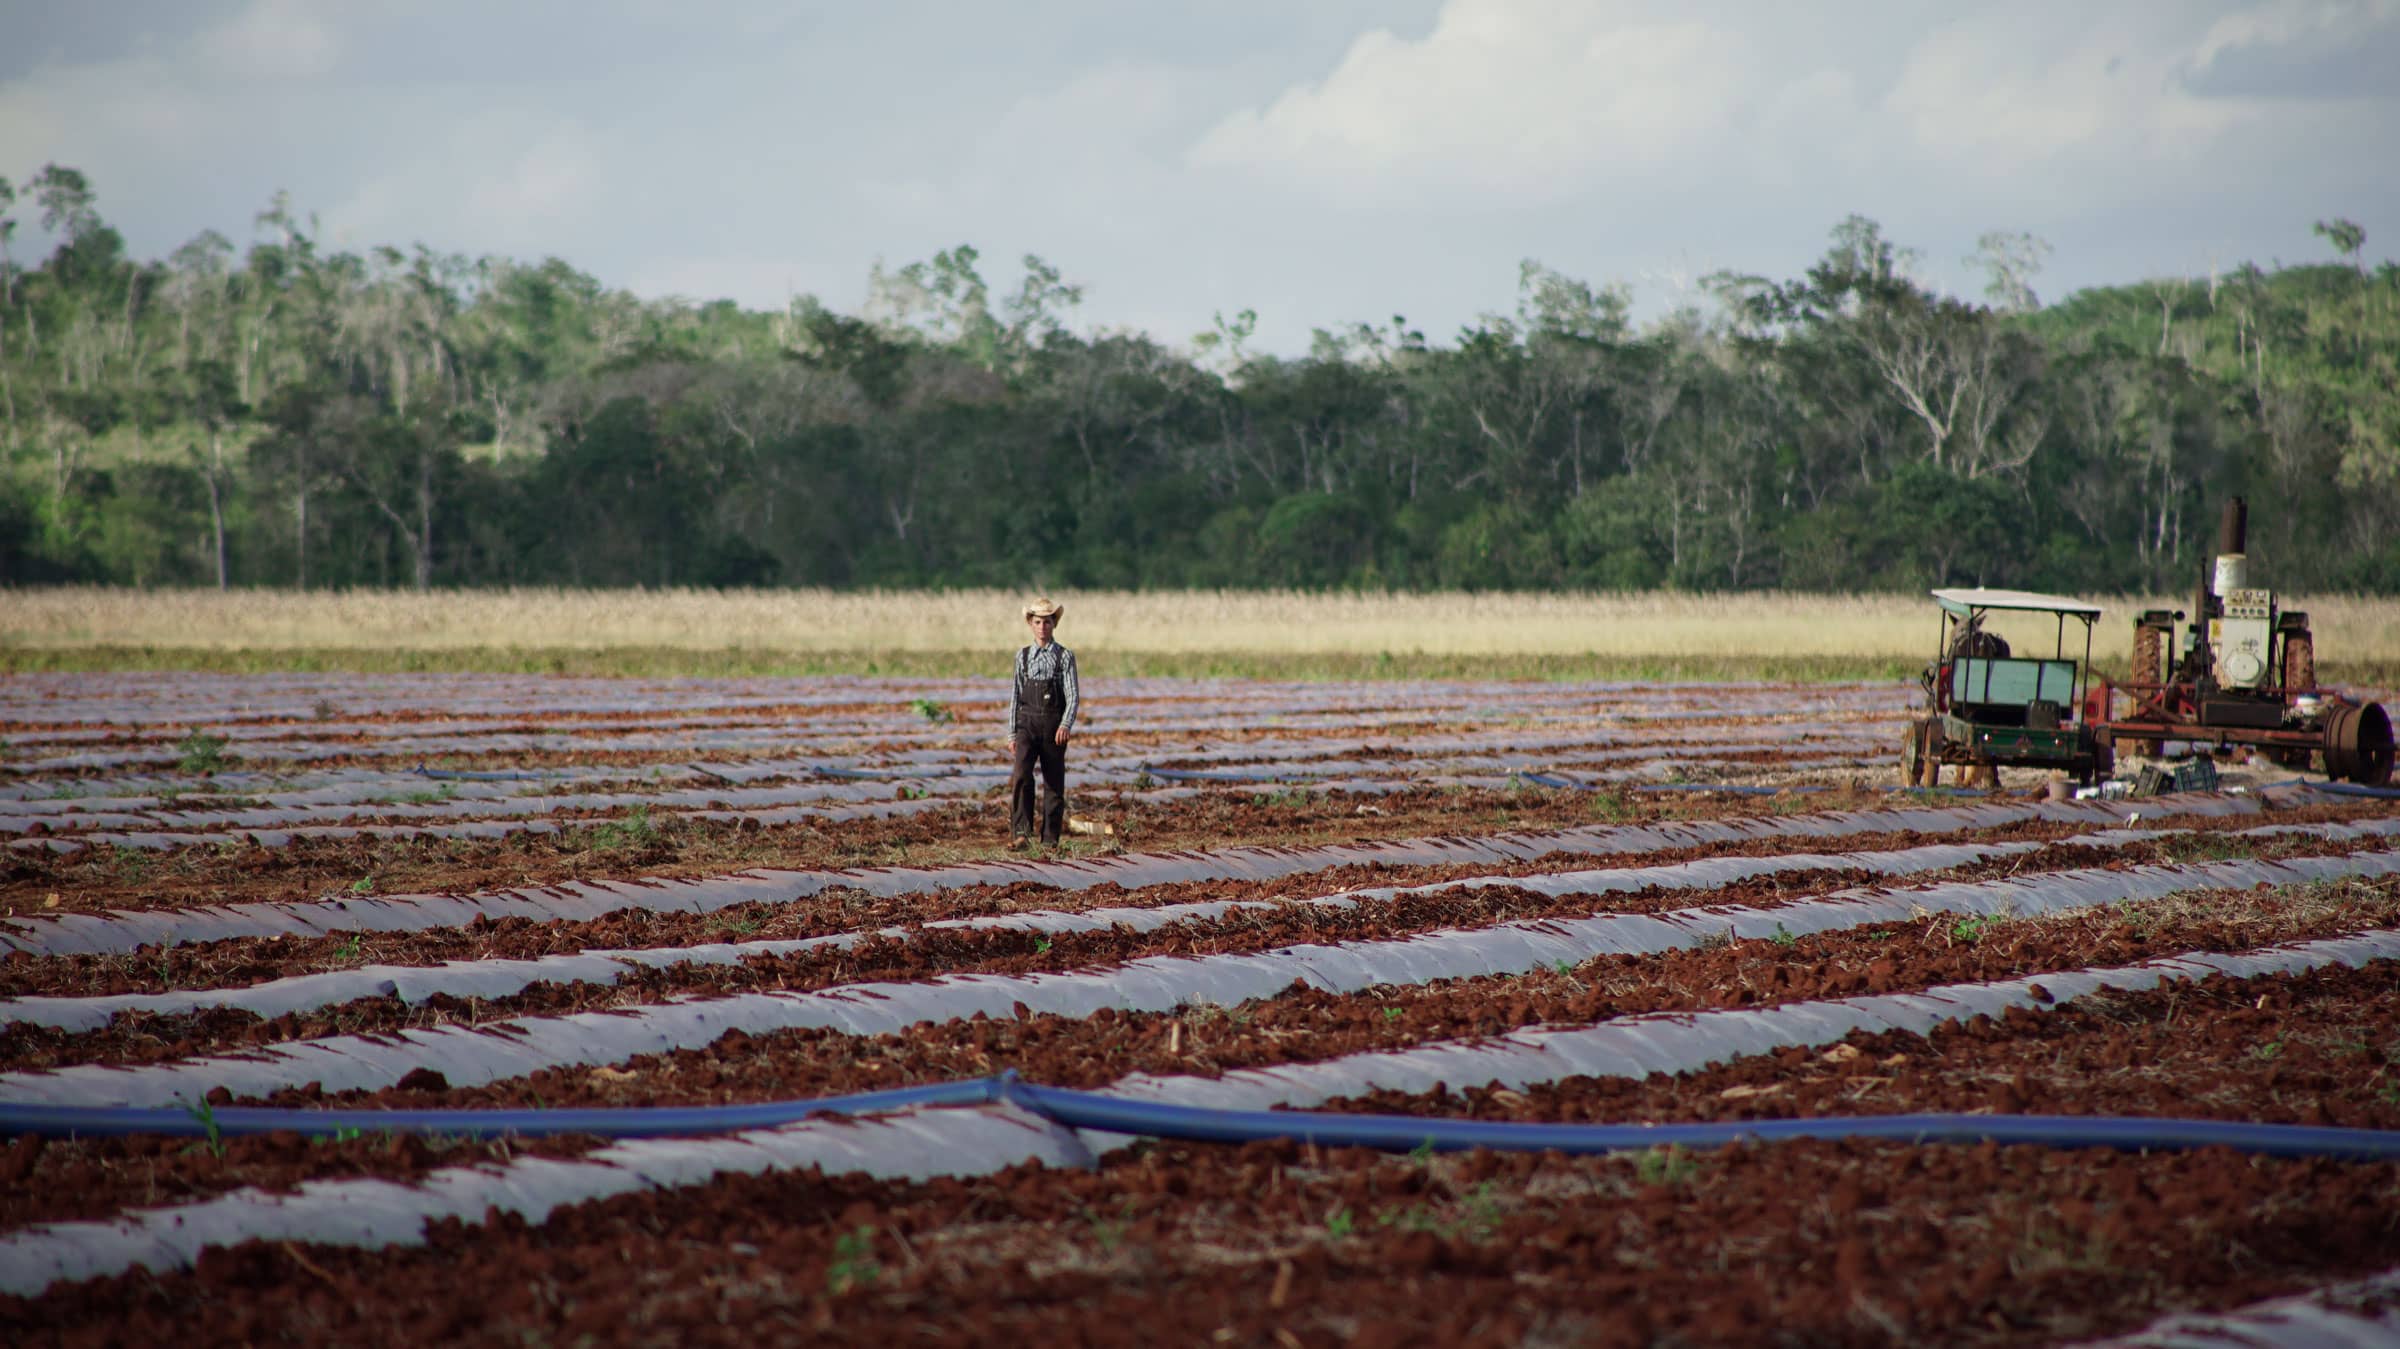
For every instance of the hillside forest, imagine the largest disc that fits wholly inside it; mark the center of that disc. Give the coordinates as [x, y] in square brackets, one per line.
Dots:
[286, 414]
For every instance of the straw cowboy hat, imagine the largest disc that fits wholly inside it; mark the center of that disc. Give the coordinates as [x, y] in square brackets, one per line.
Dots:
[1042, 606]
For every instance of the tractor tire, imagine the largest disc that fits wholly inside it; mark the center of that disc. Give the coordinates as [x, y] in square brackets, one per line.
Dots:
[2299, 663]
[2149, 654]
[1921, 754]
[2149, 667]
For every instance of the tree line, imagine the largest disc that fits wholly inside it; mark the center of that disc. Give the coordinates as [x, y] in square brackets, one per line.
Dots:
[288, 414]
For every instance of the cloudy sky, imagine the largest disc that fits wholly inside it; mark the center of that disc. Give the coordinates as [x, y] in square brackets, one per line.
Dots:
[1322, 161]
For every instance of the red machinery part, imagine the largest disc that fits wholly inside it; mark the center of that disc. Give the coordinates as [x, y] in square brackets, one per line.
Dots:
[2358, 744]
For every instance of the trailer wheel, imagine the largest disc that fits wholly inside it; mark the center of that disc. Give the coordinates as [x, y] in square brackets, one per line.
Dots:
[2358, 744]
[2299, 663]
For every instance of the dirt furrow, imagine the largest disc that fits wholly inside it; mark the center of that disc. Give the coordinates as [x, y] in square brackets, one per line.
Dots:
[919, 954]
[94, 1178]
[241, 962]
[668, 848]
[927, 953]
[1815, 1242]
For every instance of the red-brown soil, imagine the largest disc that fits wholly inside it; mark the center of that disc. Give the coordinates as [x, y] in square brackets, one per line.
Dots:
[250, 960]
[677, 847]
[1306, 1024]
[1814, 1242]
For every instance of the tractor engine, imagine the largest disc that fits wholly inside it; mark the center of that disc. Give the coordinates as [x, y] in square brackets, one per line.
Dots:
[2237, 637]
[2245, 674]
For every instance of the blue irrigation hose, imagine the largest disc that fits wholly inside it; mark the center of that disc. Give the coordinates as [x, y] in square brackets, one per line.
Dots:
[1407, 1133]
[1113, 1114]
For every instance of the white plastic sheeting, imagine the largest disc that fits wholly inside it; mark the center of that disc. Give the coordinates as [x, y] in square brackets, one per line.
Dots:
[129, 930]
[953, 1141]
[1680, 1042]
[2364, 1314]
[471, 1056]
[70, 825]
[497, 978]
[907, 1145]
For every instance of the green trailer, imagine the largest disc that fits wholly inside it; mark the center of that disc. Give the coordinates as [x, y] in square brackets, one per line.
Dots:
[1988, 707]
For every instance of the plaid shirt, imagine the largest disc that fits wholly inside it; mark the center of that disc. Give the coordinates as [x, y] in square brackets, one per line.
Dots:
[1049, 661]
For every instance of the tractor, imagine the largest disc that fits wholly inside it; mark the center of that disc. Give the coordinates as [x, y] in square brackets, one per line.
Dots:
[2243, 671]
[1991, 708]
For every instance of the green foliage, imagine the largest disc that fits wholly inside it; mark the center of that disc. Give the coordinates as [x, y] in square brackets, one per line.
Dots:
[1974, 928]
[937, 713]
[636, 832]
[213, 1132]
[853, 1264]
[1673, 1166]
[298, 414]
[200, 752]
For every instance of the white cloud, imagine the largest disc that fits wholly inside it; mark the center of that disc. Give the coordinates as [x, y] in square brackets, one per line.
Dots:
[2284, 22]
[273, 39]
[1365, 172]
[1520, 98]
[1515, 103]
[2008, 100]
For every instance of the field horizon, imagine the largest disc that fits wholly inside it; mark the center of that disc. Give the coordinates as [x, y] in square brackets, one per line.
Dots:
[1276, 634]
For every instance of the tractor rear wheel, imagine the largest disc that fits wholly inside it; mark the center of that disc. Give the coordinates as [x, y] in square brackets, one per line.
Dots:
[2149, 657]
[2299, 663]
[2149, 667]
[1921, 754]
[2358, 744]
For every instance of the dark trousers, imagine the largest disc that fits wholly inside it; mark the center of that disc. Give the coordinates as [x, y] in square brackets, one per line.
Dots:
[1037, 747]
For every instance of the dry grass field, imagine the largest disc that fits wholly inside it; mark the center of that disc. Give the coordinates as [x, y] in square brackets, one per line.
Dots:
[932, 632]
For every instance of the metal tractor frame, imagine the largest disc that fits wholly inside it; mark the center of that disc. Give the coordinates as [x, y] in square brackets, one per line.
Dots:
[1989, 708]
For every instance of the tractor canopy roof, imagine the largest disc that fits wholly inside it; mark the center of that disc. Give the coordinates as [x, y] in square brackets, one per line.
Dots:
[1965, 603]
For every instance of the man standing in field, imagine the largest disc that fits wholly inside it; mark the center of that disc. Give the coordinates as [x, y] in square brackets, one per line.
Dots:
[1041, 715]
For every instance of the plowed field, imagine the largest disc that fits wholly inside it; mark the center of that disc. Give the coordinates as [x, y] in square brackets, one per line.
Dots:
[1440, 903]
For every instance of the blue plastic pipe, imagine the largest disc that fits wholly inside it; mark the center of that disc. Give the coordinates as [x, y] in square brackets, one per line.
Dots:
[1406, 1133]
[1113, 1114]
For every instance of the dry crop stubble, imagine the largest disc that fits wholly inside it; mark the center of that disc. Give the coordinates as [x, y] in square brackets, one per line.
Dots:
[1197, 632]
